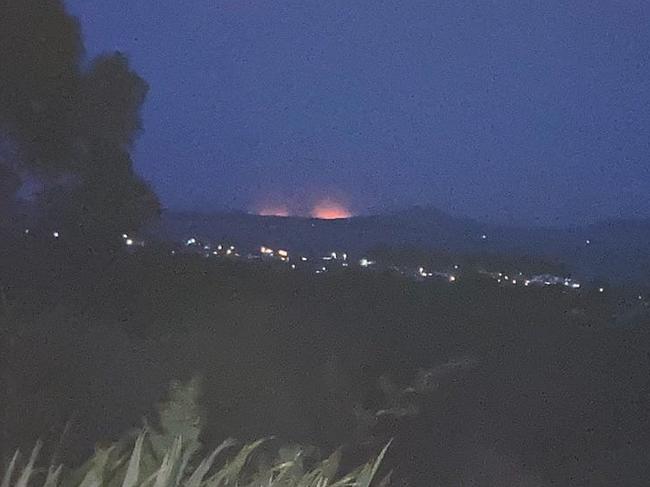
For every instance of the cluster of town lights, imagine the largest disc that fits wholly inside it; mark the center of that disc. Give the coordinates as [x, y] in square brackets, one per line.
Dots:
[342, 258]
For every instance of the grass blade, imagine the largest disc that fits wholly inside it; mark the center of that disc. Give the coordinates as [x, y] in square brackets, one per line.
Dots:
[53, 475]
[203, 468]
[133, 470]
[29, 468]
[6, 479]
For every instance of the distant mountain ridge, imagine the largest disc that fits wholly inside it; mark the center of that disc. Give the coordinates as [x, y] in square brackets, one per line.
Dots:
[613, 250]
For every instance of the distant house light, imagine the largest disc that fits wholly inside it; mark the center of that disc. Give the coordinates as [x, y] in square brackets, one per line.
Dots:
[219, 247]
[26, 231]
[129, 241]
[526, 282]
[588, 242]
[365, 262]
[575, 285]
[345, 256]
[514, 281]
[452, 278]
[56, 234]
[125, 236]
[456, 266]
[484, 237]
[190, 241]
[283, 253]
[266, 250]
[293, 266]
[304, 259]
[601, 289]
[232, 247]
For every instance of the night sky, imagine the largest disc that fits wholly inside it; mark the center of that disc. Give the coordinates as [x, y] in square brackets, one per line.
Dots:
[511, 111]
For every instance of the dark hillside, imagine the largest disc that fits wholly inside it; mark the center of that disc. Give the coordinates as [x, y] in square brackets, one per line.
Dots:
[533, 379]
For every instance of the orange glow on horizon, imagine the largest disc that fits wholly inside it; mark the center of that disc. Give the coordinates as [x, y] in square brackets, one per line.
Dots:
[330, 210]
[274, 211]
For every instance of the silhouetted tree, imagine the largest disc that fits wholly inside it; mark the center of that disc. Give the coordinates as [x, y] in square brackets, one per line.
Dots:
[73, 128]
[70, 129]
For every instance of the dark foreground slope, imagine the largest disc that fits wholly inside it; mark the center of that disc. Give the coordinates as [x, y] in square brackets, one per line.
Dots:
[475, 382]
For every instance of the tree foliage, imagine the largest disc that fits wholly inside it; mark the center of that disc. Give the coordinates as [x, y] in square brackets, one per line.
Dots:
[73, 127]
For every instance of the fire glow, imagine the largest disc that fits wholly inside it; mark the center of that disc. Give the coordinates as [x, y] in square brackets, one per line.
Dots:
[330, 210]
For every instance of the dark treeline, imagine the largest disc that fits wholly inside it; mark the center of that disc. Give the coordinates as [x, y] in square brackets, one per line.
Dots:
[468, 262]
[548, 391]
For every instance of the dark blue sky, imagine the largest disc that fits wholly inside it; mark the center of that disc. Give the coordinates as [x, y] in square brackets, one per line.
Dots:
[506, 110]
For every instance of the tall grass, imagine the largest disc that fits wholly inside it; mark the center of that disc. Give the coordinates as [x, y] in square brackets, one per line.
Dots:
[139, 466]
